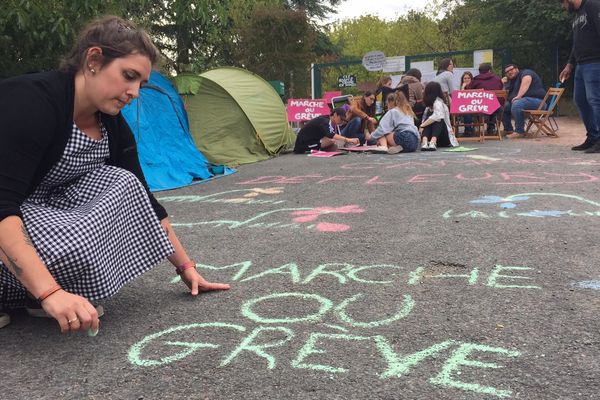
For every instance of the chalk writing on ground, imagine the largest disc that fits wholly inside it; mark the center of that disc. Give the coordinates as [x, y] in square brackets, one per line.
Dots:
[321, 331]
[527, 205]
[239, 196]
[493, 178]
[290, 218]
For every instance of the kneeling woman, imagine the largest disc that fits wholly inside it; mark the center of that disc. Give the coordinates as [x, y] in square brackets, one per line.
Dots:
[436, 129]
[77, 220]
[397, 131]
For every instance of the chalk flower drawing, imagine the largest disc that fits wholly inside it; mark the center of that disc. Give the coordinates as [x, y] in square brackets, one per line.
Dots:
[518, 200]
[312, 215]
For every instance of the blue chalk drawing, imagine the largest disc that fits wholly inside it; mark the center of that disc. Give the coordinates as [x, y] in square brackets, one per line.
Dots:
[587, 285]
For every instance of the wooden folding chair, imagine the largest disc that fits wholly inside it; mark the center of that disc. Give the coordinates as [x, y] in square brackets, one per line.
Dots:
[541, 117]
[501, 95]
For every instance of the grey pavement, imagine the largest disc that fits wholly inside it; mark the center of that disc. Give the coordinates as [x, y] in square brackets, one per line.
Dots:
[446, 275]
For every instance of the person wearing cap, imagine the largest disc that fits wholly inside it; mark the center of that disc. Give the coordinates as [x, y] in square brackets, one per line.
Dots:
[585, 61]
[322, 132]
[525, 92]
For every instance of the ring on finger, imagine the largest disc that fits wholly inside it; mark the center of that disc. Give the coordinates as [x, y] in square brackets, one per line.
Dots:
[72, 320]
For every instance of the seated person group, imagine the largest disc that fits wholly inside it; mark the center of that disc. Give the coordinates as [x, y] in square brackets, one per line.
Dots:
[419, 114]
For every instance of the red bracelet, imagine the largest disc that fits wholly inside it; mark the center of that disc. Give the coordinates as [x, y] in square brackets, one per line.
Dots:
[48, 293]
[184, 266]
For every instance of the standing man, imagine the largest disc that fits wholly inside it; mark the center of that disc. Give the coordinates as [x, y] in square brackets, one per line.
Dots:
[320, 133]
[585, 59]
[525, 92]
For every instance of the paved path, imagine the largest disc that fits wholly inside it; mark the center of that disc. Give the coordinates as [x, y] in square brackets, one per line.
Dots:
[420, 276]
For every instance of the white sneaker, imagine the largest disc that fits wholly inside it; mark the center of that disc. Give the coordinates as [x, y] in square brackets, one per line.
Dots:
[380, 149]
[395, 149]
[424, 147]
[432, 146]
[4, 320]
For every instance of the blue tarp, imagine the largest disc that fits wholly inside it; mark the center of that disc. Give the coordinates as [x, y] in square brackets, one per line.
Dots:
[167, 152]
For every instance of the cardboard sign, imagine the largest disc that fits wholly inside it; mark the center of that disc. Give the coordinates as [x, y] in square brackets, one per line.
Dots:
[373, 61]
[306, 109]
[474, 102]
[347, 81]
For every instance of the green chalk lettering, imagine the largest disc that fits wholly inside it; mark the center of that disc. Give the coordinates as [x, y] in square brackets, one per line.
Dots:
[323, 269]
[324, 306]
[243, 266]
[416, 276]
[135, 352]
[496, 273]
[290, 269]
[352, 273]
[310, 348]
[401, 366]
[459, 358]
[258, 349]
[474, 214]
[447, 214]
[340, 310]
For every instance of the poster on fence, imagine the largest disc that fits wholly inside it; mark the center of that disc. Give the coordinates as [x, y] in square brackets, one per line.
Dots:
[306, 109]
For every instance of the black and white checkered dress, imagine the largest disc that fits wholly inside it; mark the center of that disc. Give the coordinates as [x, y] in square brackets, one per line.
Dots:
[92, 224]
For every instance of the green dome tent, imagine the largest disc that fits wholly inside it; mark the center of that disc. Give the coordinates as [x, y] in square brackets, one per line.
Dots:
[236, 117]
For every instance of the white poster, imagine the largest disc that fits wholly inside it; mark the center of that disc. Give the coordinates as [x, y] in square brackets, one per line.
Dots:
[373, 61]
[483, 56]
[423, 66]
[395, 64]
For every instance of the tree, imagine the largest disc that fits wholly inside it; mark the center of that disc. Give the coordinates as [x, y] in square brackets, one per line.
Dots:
[277, 44]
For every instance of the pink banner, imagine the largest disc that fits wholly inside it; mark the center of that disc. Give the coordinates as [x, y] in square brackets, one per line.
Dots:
[306, 109]
[327, 96]
[474, 102]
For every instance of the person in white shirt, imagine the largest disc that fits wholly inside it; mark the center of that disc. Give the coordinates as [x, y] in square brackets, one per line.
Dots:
[436, 129]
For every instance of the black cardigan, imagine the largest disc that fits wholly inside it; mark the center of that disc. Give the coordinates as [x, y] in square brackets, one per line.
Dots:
[36, 120]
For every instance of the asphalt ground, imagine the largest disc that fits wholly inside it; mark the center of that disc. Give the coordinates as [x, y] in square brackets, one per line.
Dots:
[439, 275]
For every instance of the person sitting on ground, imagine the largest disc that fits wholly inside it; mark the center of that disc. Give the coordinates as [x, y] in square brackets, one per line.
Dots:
[77, 221]
[360, 117]
[445, 78]
[487, 80]
[436, 129]
[465, 84]
[412, 78]
[396, 131]
[320, 133]
[525, 92]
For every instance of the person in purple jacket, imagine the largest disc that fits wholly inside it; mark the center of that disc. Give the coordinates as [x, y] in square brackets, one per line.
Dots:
[487, 80]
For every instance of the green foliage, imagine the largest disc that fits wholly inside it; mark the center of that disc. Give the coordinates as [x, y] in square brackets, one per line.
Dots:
[277, 44]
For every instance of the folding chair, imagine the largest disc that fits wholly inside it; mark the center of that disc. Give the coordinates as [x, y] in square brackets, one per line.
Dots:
[542, 117]
[339, 101]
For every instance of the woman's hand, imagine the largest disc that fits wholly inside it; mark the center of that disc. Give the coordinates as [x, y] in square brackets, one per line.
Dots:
[354, 141]
[73, 313]
[196, 283]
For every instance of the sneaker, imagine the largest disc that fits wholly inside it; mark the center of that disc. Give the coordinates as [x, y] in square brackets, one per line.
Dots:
[380, 149]
[515, 135]
[432, 146]
[4, 320]
[395, 149]
[34, 309]
[425, 147]
[585, 145]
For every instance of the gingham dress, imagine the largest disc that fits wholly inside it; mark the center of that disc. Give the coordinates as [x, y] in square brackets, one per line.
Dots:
[92, 224]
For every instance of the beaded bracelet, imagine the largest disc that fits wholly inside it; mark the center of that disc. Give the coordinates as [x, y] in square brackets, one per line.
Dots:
[48, 293]
[184, 266]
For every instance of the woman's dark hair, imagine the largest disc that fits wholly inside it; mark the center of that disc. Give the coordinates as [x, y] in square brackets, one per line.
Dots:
[116, 37]
[444, 64]
[370, 110]
[433, 90]
[466, 73]
[414, 73]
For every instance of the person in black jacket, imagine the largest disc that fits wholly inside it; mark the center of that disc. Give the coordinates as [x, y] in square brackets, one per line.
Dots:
[77, 220]
[585, 60]
[322, 132]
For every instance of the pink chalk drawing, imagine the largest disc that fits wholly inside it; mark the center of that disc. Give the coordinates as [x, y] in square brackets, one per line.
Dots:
[312, 215]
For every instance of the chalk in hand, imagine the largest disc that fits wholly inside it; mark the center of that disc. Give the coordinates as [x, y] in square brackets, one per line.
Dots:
[92, 333]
